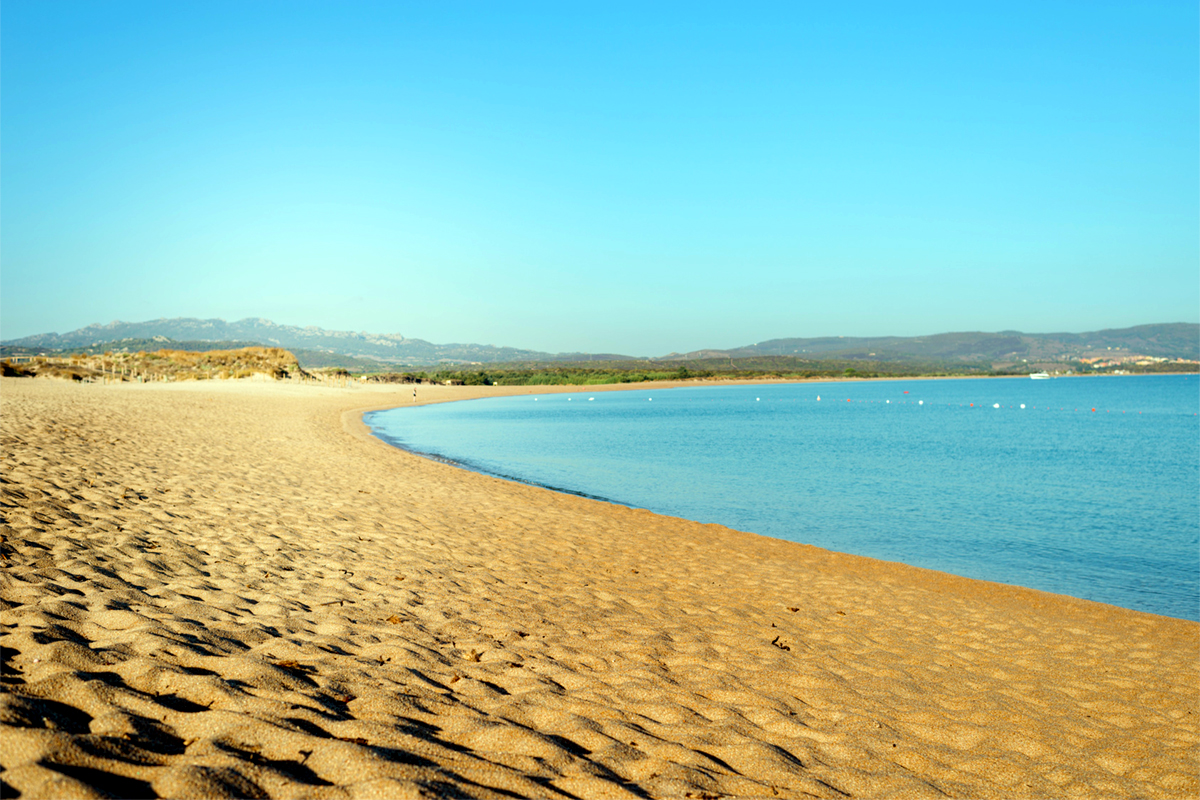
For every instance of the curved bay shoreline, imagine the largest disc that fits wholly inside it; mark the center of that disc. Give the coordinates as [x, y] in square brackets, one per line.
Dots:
[236, 590]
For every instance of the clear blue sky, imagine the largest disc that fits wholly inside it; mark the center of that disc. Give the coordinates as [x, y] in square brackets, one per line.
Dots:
[634, 178]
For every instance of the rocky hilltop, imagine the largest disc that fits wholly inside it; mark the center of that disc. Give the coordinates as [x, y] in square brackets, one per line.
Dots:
[161, 365]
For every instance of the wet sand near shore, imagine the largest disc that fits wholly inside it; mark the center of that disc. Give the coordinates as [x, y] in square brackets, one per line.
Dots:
[230, 589]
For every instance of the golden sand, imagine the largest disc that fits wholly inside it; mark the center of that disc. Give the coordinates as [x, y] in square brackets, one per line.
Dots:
[231, 589]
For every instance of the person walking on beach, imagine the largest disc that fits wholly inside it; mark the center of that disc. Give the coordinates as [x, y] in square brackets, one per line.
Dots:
[414, 394]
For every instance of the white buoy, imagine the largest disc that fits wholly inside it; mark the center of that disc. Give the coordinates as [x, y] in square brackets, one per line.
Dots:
[995, 405]
[756, 399]
[1022, 405]
[590, 399]
[888, 401]
[920, 402]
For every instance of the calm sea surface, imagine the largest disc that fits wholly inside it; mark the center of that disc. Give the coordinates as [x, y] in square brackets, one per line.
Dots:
[954, 475]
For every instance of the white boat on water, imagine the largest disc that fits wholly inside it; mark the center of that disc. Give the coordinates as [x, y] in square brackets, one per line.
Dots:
[1040, 376]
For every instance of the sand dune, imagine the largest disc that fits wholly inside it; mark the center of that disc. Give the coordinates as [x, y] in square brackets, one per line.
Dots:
[230, 589]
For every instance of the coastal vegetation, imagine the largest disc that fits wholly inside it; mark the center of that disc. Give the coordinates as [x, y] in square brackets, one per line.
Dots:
[189, 364]
[159, 365]
[759, 368]
[129, 345]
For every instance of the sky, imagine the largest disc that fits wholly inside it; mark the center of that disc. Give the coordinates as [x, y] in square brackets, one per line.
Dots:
[635, 178]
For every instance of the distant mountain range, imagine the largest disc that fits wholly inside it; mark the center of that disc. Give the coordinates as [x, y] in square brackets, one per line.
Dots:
[1176, 340]
[386, 347]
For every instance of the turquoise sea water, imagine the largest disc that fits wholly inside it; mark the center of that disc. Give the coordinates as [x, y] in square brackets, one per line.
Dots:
[953, 475]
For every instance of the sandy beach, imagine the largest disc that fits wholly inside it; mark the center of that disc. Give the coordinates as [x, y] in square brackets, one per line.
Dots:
[230, 589]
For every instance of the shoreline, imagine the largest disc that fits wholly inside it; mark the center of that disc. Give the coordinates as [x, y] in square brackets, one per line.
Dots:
[270, 599]
[703, 382]
[504, 391]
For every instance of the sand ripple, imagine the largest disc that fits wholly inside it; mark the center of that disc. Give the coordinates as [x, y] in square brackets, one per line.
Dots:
[230, 590]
